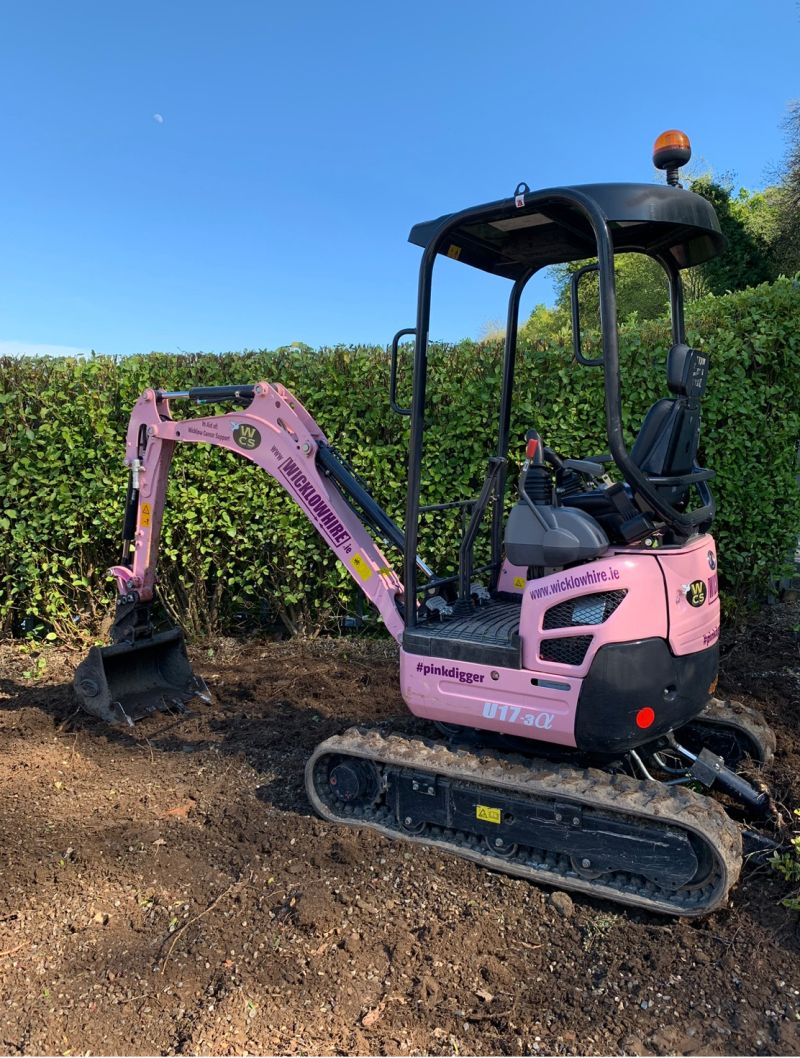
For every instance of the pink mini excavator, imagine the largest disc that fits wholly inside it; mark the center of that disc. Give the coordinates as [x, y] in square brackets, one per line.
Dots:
[586, 645]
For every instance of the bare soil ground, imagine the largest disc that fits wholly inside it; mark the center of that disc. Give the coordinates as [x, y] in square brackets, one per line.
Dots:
[167, 890]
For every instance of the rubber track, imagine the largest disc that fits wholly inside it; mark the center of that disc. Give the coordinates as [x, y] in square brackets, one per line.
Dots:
[736, 715]
[651, 801]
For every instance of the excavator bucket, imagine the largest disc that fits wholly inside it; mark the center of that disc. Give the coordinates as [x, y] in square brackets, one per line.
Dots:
[125, 682]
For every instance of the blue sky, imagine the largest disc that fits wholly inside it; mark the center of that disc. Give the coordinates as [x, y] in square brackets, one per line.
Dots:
[300, 142]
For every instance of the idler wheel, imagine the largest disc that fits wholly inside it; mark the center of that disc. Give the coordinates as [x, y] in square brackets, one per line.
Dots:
[584, 868]
[504, 849]
[353, 781]
[410, 826]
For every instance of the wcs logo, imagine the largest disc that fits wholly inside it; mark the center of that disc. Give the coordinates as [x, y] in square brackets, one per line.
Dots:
[696, 593]
[245, 436]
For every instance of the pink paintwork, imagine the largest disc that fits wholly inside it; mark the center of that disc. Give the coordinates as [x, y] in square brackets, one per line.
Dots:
[640, 615]
[512, 578]
[276, 433]
[491, 697]
[519, 701]
[692, 627]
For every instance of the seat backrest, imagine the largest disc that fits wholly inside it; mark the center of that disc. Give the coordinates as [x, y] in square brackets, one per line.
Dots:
[668, 439]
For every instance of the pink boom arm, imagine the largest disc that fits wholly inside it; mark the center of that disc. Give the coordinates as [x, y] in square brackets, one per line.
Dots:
[276, 433]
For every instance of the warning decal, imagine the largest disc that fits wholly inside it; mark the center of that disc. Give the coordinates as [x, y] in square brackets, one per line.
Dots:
[361, 566]
[487, 814]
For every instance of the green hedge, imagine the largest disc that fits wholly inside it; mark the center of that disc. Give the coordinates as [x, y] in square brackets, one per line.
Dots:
[235, 548]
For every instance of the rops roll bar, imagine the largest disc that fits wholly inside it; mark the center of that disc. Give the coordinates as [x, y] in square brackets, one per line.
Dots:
[502, 210]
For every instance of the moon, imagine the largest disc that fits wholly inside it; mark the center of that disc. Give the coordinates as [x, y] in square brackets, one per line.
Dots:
[158, 118]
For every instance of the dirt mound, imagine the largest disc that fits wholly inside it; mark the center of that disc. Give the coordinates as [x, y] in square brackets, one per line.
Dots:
[167, 890]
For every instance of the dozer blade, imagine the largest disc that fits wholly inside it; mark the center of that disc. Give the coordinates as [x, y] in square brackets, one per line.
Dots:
[128, 681]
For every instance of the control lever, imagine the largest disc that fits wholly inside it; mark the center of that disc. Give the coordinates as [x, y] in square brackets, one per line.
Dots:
[585, 466]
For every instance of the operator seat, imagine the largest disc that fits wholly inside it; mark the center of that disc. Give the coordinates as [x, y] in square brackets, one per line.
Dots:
[665, 446]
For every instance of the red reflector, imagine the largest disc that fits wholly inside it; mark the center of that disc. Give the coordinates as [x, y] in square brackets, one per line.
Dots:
[530, 448]
[645, 717]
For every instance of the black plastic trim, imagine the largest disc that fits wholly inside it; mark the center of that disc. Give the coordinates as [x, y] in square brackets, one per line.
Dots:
[415, 641]
[646, 218]
[625, 678]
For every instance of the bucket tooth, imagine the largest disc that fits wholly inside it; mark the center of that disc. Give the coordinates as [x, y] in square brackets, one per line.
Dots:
[125, 682]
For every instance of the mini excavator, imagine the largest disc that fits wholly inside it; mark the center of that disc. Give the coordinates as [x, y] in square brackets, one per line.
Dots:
[571, 676]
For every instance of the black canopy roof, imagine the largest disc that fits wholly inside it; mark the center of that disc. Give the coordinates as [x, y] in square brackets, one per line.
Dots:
[507, 239]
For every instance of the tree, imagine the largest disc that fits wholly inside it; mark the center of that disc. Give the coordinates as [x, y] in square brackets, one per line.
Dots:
[749, 222]
[787, 241]
[748, 219]
[641, 289]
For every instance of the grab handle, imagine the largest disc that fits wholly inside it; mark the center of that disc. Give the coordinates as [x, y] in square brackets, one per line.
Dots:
[576, 316]
[393, 371]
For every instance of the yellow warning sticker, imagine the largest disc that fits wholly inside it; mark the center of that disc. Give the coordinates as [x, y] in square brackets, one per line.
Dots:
[144, 517]
[361, 566]
[487, 814]
[454, 251]
[519, 582]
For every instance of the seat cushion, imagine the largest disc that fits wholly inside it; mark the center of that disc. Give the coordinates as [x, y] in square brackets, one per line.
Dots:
[596, 503]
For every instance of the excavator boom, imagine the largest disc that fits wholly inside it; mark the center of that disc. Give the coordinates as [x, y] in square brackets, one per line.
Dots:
[142, 671]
